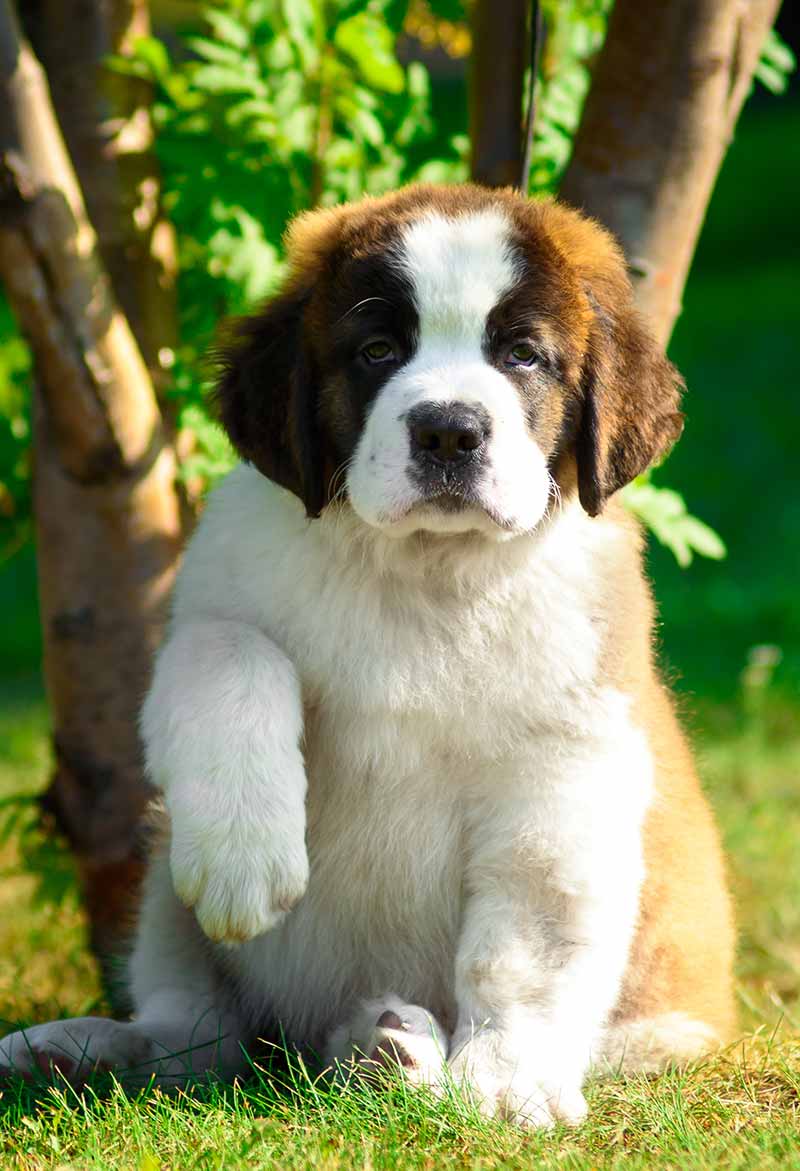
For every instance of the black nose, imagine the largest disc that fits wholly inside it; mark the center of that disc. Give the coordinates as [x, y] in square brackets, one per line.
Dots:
[447, 433]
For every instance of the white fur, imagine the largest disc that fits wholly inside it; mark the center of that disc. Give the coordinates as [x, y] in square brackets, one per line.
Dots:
[474, 803]
[420, 1042]
[475, 795]
[459, 269]
[223, 743]
[474, 806]
[390, 759]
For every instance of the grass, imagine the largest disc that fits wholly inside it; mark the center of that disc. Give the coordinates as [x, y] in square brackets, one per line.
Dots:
[737, 465]
[735, 1113]
[739, 1110]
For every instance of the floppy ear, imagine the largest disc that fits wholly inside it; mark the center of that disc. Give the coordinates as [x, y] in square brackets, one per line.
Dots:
[631, 398]
[267, 397]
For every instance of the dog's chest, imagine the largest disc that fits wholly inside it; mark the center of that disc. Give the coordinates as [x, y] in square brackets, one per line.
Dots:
[389, 676]
[412, 704]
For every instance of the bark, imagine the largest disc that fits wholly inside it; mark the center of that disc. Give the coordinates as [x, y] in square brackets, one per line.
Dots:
[665, 97]
[105, 506]
[499, 56]
[106, 124]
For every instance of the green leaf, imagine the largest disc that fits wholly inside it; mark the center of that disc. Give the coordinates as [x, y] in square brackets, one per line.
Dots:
[703, 539]
[664, 512]
[364, 97]
[370, 43]
[418, 81]
[251, 108]
[153, 53]
[772, 79]
[367, 126]
[224, 79]
[127, 66]
[227, 28]
[342, 153]
[778, 53]
[212, 51]
[442, 171]
[776, 65]
[279, 54]
[299, 128]
[302, 20]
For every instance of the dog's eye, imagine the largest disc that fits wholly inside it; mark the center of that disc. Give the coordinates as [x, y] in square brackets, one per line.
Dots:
[378, 351]
[521, 354]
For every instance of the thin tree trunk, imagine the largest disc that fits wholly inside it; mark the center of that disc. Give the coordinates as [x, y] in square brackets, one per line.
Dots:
[665, 97]
[497, 72]
[106, 510]
[105, 120]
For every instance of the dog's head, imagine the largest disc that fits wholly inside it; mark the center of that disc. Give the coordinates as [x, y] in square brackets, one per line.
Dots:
[449, 359]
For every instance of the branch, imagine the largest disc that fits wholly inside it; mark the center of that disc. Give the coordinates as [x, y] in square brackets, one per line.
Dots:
[106, 510]
[499, 48]
[666, 94]
[96, 387]
[105, 117]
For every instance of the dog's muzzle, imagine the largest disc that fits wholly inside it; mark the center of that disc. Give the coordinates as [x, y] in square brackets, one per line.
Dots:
[447, 442]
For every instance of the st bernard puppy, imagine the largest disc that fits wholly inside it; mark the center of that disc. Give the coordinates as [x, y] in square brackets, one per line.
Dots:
[418, 762]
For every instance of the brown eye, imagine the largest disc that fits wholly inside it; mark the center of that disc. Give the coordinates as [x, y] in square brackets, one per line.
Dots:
[521, 354]
[378, 351]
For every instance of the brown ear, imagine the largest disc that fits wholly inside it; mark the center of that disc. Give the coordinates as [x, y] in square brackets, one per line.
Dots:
[631, 400]
[266, 397]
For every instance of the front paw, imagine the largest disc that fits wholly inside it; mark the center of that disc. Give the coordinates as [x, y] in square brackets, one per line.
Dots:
[504, 1086]
[240, 874]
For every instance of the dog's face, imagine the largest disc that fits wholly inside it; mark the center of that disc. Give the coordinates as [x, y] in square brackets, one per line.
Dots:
[450, 359]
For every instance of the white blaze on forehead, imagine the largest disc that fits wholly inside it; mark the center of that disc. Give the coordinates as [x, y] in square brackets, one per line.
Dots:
[459, 269]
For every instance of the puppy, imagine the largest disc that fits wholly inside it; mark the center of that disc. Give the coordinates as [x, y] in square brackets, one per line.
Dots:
[417, 759]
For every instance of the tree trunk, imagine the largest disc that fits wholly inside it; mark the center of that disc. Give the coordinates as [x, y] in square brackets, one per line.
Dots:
[105, 120]
[105, 505]
[666, 93]
[497, 72]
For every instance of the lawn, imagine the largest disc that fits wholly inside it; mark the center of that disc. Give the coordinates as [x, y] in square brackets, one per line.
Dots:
[738, 345]
[739, 1110]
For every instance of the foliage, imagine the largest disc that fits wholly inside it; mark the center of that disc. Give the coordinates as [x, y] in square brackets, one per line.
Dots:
[268, 107]
[776, 65]
[15, 430]
[664, 512]
[574, 35]
[368, 147]
[279, 105]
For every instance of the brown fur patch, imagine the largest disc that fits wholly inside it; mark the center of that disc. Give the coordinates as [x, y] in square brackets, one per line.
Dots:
[682, 956]
[611, 403]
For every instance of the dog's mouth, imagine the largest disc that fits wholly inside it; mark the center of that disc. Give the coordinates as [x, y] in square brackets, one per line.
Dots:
[453, 501]
[449, 504]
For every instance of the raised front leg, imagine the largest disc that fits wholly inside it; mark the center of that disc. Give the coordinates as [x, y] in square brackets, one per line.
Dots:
[222, 726]
[553, 884]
